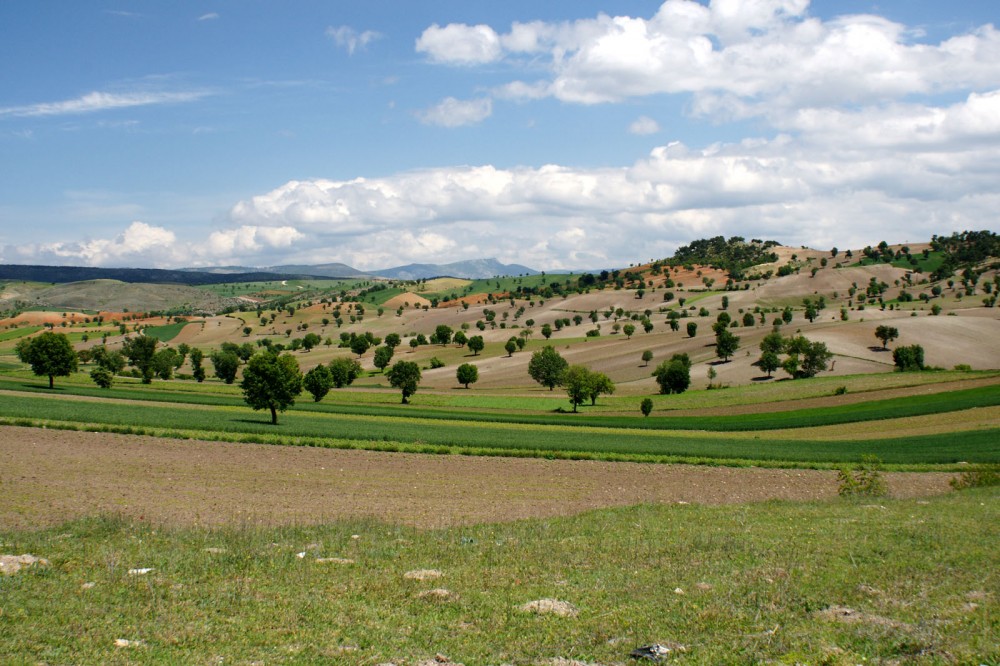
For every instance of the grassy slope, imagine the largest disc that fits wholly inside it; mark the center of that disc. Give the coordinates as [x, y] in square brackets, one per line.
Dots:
[734, 584]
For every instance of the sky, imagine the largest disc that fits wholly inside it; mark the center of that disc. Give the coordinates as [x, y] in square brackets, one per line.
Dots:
[564, 134]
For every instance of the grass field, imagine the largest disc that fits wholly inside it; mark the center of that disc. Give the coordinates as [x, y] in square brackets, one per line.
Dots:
[907, 581]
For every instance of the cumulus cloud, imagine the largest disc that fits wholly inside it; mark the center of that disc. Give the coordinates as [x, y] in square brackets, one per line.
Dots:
[644, 125]
[457, 44]
[451, 112]
[350, 39]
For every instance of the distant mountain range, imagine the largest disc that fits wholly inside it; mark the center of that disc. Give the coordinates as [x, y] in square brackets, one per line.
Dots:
[473, 269]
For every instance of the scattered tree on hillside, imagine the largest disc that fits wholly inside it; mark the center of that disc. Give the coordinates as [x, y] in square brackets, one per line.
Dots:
[392, 340]
[575, 380]
[908, 358]
[271, 382]
[692, 328]
[674, 374]
[726, 344]
[197, 356]
[359, 345]
[599, 384]
[383, 356]
[647, 356]
[546, 367]
[404, 375]
[226, 365]
[318, 382]
[49, 355]
[467, 374]
[476, 344]
[102, 377]
[510, 347]
[628, 330]
[139, 351]
[442, 334]
[646, 406]
[886, 334]
[344, 371]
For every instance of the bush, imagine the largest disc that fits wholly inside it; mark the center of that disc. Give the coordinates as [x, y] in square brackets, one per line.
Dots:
[436, 362]
[977, 478]
[908, 358]
[840, 390]
[865, 481]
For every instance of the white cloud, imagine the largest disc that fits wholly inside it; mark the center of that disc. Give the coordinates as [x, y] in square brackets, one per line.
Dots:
[211, 16]
[457, 44]
[101, 101]
[453, 112]
[644, 125]
[350, 39]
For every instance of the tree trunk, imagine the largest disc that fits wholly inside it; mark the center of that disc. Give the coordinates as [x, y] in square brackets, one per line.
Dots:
[51, 381]
[274, 416]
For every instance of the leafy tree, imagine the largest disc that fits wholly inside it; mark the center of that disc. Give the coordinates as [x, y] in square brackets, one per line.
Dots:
[647, 356]
[467, 374]
[908, 358]
[392, 340]
[405, 375]
[383, 355]
[271, 382]
[112, 361]
[576, 380]
[748, 319]
[510, 347]
[343, 371]
[164, 362]
[49, 355]
[598, 384]
[359, 345]
[460, 338]
[197, 357]
[311, 340]
[646, 406]
[139, 351]
[476, 344]
[647, 325]
[628, 330]
[547, 366]
[886, 334]
[692, 328]
[769, 361]
[102, 377]
[674, 375]
[443, 334]
[814, 359]
[726, 344]
[546, 331]
[318, 382]
[226, 365]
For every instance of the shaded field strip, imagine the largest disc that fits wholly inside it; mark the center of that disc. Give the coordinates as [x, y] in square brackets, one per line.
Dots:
[980, 446]
[875, 410]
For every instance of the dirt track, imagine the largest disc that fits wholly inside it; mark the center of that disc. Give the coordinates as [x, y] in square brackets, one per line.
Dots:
[48, 476]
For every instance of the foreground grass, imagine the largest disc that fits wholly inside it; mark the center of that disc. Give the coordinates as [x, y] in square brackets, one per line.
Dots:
[736, 584]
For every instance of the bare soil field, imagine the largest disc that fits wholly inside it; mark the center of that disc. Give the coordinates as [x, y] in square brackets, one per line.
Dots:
[50, 476]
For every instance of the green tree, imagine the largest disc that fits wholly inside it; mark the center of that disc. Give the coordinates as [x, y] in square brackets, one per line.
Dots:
[886, 334]
[383, 355]
[344, 371]
[460, 338]
[628, 330]
[674, 375]
[692, 328]
[102, 377]
[139, 351]
[49, 355]
[359, 345]
[318, 382]
[405, 375]
[226, 365]
[112, 361]
[467, 374]
[510, 347]
[476, 344]
[646, 406]
[769, 361]
[311, 340]
[647, 356]
[271, 382]
[392, 340]
[599, 384]
[197, 356]
[576, 379]
[908, 358]
[546, 331]
[546, 367]
[442, 334]
[726, 344]
[164, 362]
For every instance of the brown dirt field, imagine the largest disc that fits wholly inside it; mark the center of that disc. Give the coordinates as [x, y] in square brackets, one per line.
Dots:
[403, 299]
[51, 476]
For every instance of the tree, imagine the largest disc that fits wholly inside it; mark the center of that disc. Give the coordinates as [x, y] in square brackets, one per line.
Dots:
[139, 351]
[599, 383]
[546, 331]
[102, 377]
[726, 344]
[814, 359]
[359, 345]
[164, 362]
[197, 356]
[908, 358]
[510, 347]
[886, 334]
[647, 356]
[646, 406]
[674, 375]
[692, 328]
[405, 375]
[226, 365]
[546, 367]
[112, 361]
[343, 371]
[271, 382]
[318, 382]
[392, 341]
[467, 374]
[769, 362]
[476, 344]
[442, 334]
[310, 340]
[383, 355]
[628, 330]
[576, 380]
[460, 338]
[49, 354]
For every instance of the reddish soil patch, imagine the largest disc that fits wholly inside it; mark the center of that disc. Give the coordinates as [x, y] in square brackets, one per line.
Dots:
[51, 476]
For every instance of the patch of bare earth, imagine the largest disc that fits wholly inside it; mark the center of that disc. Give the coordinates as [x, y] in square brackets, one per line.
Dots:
[50, 476]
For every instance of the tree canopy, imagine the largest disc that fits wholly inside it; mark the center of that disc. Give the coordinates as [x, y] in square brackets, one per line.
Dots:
[404, 375]
[271, 382]
[547, 366]
[49, 355]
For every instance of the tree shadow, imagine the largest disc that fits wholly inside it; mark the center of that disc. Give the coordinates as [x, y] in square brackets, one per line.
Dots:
[876, 348]
[720, 362]
[763, 378]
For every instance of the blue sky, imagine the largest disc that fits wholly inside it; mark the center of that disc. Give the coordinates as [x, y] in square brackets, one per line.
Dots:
[557, 134]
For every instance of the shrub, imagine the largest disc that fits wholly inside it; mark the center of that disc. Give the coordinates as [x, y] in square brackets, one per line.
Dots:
[646, 406]
[865, 481]
[977, 478]
[840, 390]
[436, 362]
[908, 357]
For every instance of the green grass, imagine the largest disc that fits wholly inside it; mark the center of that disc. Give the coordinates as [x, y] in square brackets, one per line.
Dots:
[922, 577]
[167, 332]
[15, 333]
[928, 265]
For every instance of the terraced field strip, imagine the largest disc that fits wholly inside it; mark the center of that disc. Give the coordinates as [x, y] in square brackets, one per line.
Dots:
[485, 436]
